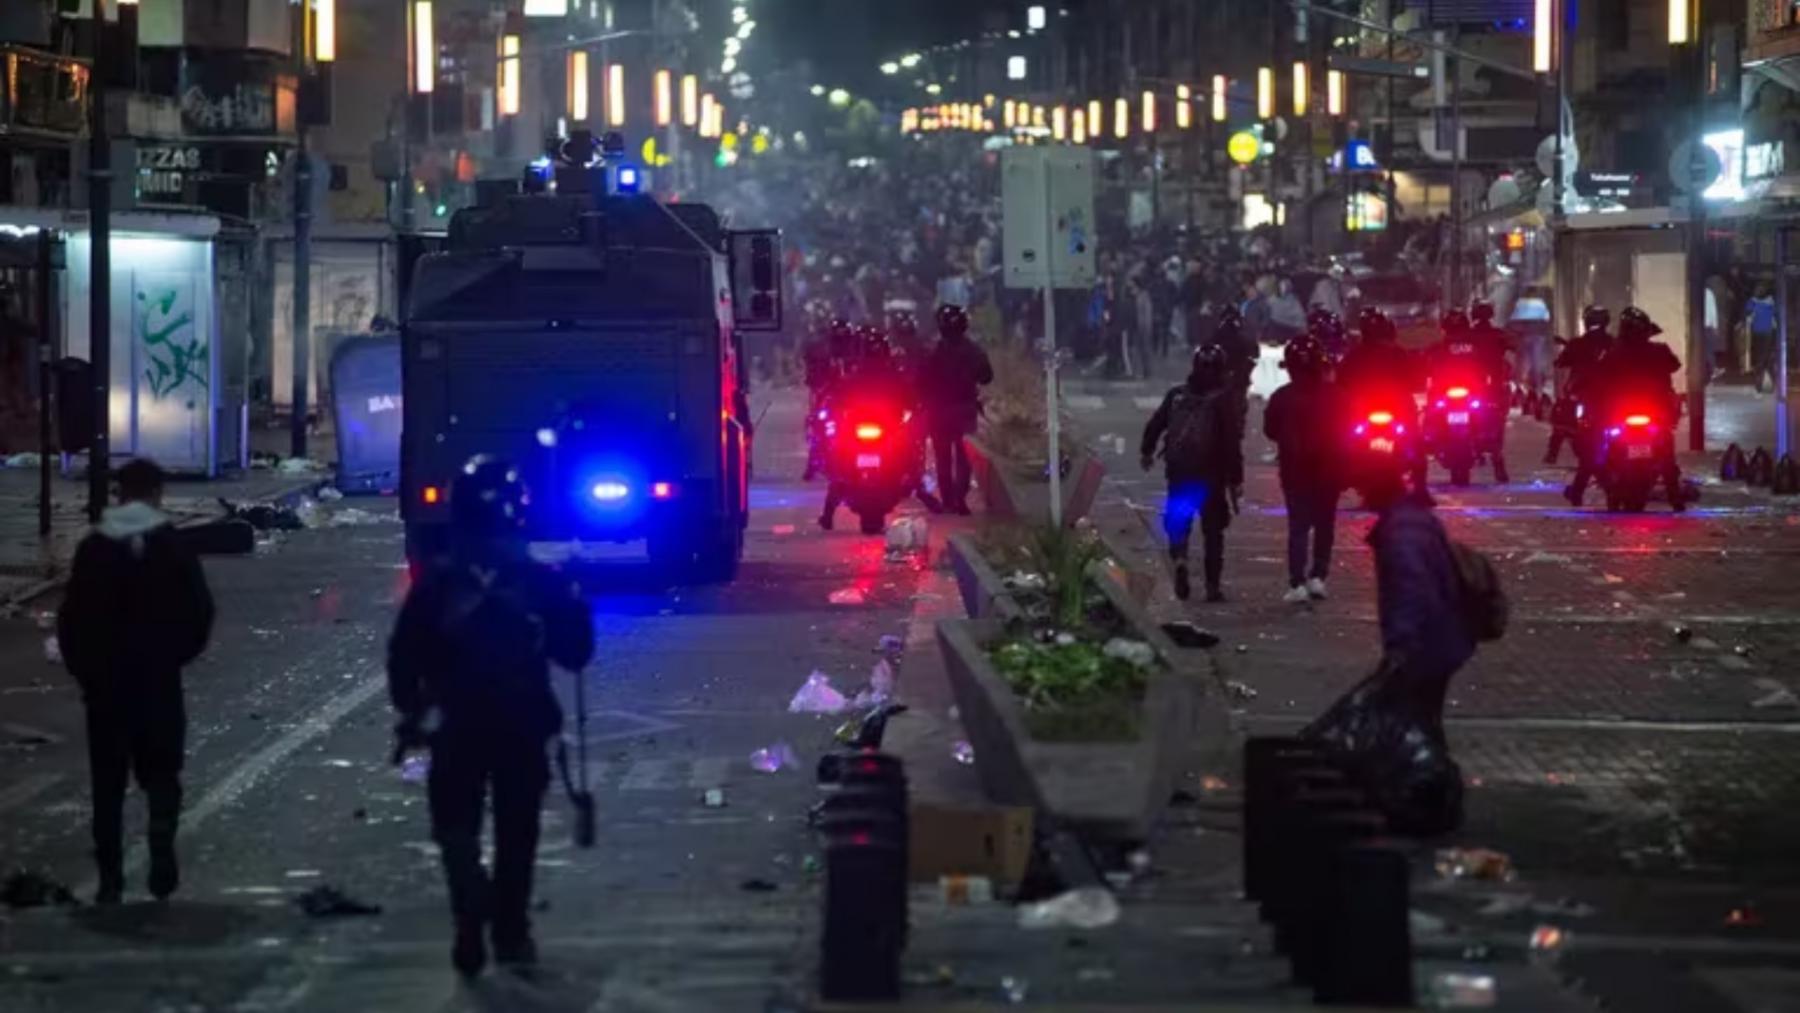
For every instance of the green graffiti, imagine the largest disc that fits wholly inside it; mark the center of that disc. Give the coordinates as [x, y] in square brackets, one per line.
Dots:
[172, 361]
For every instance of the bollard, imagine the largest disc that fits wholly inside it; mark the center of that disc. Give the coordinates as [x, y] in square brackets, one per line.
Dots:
[1329, 835]
[1732, 464]
[1267, 761]
[1268, 853]
[864, 914]
[832, 765]
[1290, 849]
[1367, 945]
[1761, 469]
[1786, 480]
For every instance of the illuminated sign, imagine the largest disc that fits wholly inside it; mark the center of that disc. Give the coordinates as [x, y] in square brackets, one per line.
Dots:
[1360, 157]
[1761, 161]
[165, 169]
[1367, 213]
[1243, 147]
[1730, 146]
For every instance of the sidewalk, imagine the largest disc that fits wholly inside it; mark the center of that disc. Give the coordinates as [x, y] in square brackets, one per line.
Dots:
[29, 563]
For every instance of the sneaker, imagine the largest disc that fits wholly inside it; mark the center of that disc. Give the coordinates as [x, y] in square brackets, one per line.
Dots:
[1572, 496]
[1215, 594]
[827, 522]
[1315, 589]
[1184, 588]
[1296, 595]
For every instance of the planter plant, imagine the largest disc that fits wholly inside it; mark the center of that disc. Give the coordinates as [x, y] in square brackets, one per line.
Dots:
[1010, 455]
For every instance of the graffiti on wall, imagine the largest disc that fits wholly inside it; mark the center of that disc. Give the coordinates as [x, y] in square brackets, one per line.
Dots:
[171, 349]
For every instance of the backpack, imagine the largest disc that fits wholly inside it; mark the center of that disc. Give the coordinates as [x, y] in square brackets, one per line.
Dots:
[1193, 436]
[1483, 600]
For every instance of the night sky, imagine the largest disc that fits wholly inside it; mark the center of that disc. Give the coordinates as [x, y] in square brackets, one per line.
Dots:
[846, 40]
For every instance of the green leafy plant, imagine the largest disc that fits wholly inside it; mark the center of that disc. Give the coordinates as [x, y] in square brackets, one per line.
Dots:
[1063, 557]
[1071, 688]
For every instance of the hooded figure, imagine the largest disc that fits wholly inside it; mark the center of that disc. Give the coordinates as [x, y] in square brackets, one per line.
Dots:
[1200, 428]
[136, 612]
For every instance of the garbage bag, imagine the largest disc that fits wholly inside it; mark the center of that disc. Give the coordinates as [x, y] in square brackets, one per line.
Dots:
[818, 696]
[1391, 736]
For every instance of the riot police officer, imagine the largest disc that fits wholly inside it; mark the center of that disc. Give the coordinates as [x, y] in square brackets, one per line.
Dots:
[468, 673]
[1578, 366]
[954, 373]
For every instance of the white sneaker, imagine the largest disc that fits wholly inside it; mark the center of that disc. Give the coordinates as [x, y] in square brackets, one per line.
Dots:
[1296, 596]
[1316, 589]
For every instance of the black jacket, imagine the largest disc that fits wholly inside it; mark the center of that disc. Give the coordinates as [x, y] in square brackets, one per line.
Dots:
[1306, 420]
[136, 611]
[1224, 466]
[951, 383]
[1582, 358]
[475, 640]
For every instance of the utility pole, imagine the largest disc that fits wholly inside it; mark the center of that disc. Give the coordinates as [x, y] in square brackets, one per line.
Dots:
[1690, 64]
[99, 271]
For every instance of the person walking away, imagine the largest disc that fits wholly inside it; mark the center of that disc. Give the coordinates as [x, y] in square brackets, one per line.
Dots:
[1761, 312]
[469, 676]
[1328, 292]
[1287, 317]
[1575, 417]
[1305, 420]
[1493, 346]
[137, 611]
[1200, 429]
[954, 374]
[1143, 329]
[1641, 371]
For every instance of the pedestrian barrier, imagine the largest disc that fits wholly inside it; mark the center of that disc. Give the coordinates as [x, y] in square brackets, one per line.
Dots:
[1336, 893]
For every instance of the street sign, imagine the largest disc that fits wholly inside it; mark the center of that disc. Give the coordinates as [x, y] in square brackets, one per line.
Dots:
[1065, 211]
[1360, 157]
[1244, 147]
[1695, 167]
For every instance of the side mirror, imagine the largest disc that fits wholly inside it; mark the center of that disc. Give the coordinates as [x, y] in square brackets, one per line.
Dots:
[756, 281]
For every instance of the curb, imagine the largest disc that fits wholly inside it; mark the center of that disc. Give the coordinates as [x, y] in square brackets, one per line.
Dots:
[290, 497]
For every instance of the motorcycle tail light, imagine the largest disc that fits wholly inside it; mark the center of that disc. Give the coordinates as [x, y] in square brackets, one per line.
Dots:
[1458, 393]
[662, 490]
[868, 432]
[1475, 404]
[1637, 420]
[432, 495]
[1381, 418]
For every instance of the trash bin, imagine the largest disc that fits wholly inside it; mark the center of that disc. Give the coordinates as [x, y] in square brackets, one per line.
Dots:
[74, 404]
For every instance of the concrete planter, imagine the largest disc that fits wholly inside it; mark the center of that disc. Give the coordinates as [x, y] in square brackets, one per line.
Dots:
[1015, 490]
[1105, 791]
[984, 593]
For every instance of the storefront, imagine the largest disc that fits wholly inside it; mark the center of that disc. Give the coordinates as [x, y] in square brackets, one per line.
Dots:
[168, 366]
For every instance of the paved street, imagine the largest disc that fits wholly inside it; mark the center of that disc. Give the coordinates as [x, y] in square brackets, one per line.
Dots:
[1620, 767]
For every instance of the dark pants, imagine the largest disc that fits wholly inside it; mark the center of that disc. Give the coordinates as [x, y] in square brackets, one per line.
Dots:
[1311, 512]
[462, 769]
[1587, 452]
[1208, 502]
[126, 742]
[952, 456]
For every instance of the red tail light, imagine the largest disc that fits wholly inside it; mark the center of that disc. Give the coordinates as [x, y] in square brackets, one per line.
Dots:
[868, 432]
[662, 490]
[1458, 392]
[1381, 418]
[1637, 420]
[432, 495]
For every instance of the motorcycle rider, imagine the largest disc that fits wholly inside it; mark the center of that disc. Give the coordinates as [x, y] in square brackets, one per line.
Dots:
[876, 379]
[1493, 346]
[828, 357]
[1467, 358]
[1327, 328]
[1200, 426]
[1639, 368]
[1378, 373]
[1305, 420]
[954, 373]
[468, 673]
[1578, 366]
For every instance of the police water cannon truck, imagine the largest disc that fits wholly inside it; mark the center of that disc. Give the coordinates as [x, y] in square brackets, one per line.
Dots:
[590, 333]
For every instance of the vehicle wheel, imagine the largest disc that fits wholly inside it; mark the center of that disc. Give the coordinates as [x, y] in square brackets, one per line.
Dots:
[1459, 475]
[718, 564]
[1613, 503]
[873, 523]
[670, 555]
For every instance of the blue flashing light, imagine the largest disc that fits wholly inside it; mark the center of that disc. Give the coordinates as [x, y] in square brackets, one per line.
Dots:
[609, 492]
[629, 179]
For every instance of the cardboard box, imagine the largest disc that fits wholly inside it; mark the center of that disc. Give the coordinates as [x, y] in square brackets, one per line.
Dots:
[991, 841]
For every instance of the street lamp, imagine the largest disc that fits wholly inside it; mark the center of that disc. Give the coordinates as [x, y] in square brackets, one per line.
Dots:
[1015, 68]
[509, 75]
[1149, 112]
[708, 106]
[1035, 18]
[1078, 129]
[1184, 107]
[325, 30]
[665, 98]
[690, 100]
[424, 49]
[615, 95]
[1334, 92]
[1220, 85]
[1009, 114]
[1543, 25]
[890, 68]
[578, 85]
[1059, 122]
[1301, 92]
[1265, 93]
[1121, 118]
[1680, 22]
[1096, 118]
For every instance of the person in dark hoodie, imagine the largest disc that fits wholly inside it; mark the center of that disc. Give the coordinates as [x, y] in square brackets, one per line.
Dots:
[955, 371]
[1305, 420]
[137, 611]
[1200, 428]
[468, 673]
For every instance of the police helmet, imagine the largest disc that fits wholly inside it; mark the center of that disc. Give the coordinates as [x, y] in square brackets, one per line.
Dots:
[1594, 317]
[841, 334]
[1636, 325]
[1455, 320]
[1210, 359]
[1481, 311]
[1231, 316]
[1305, 355]
[488, 499]
[1375, 325]
[952, 320]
